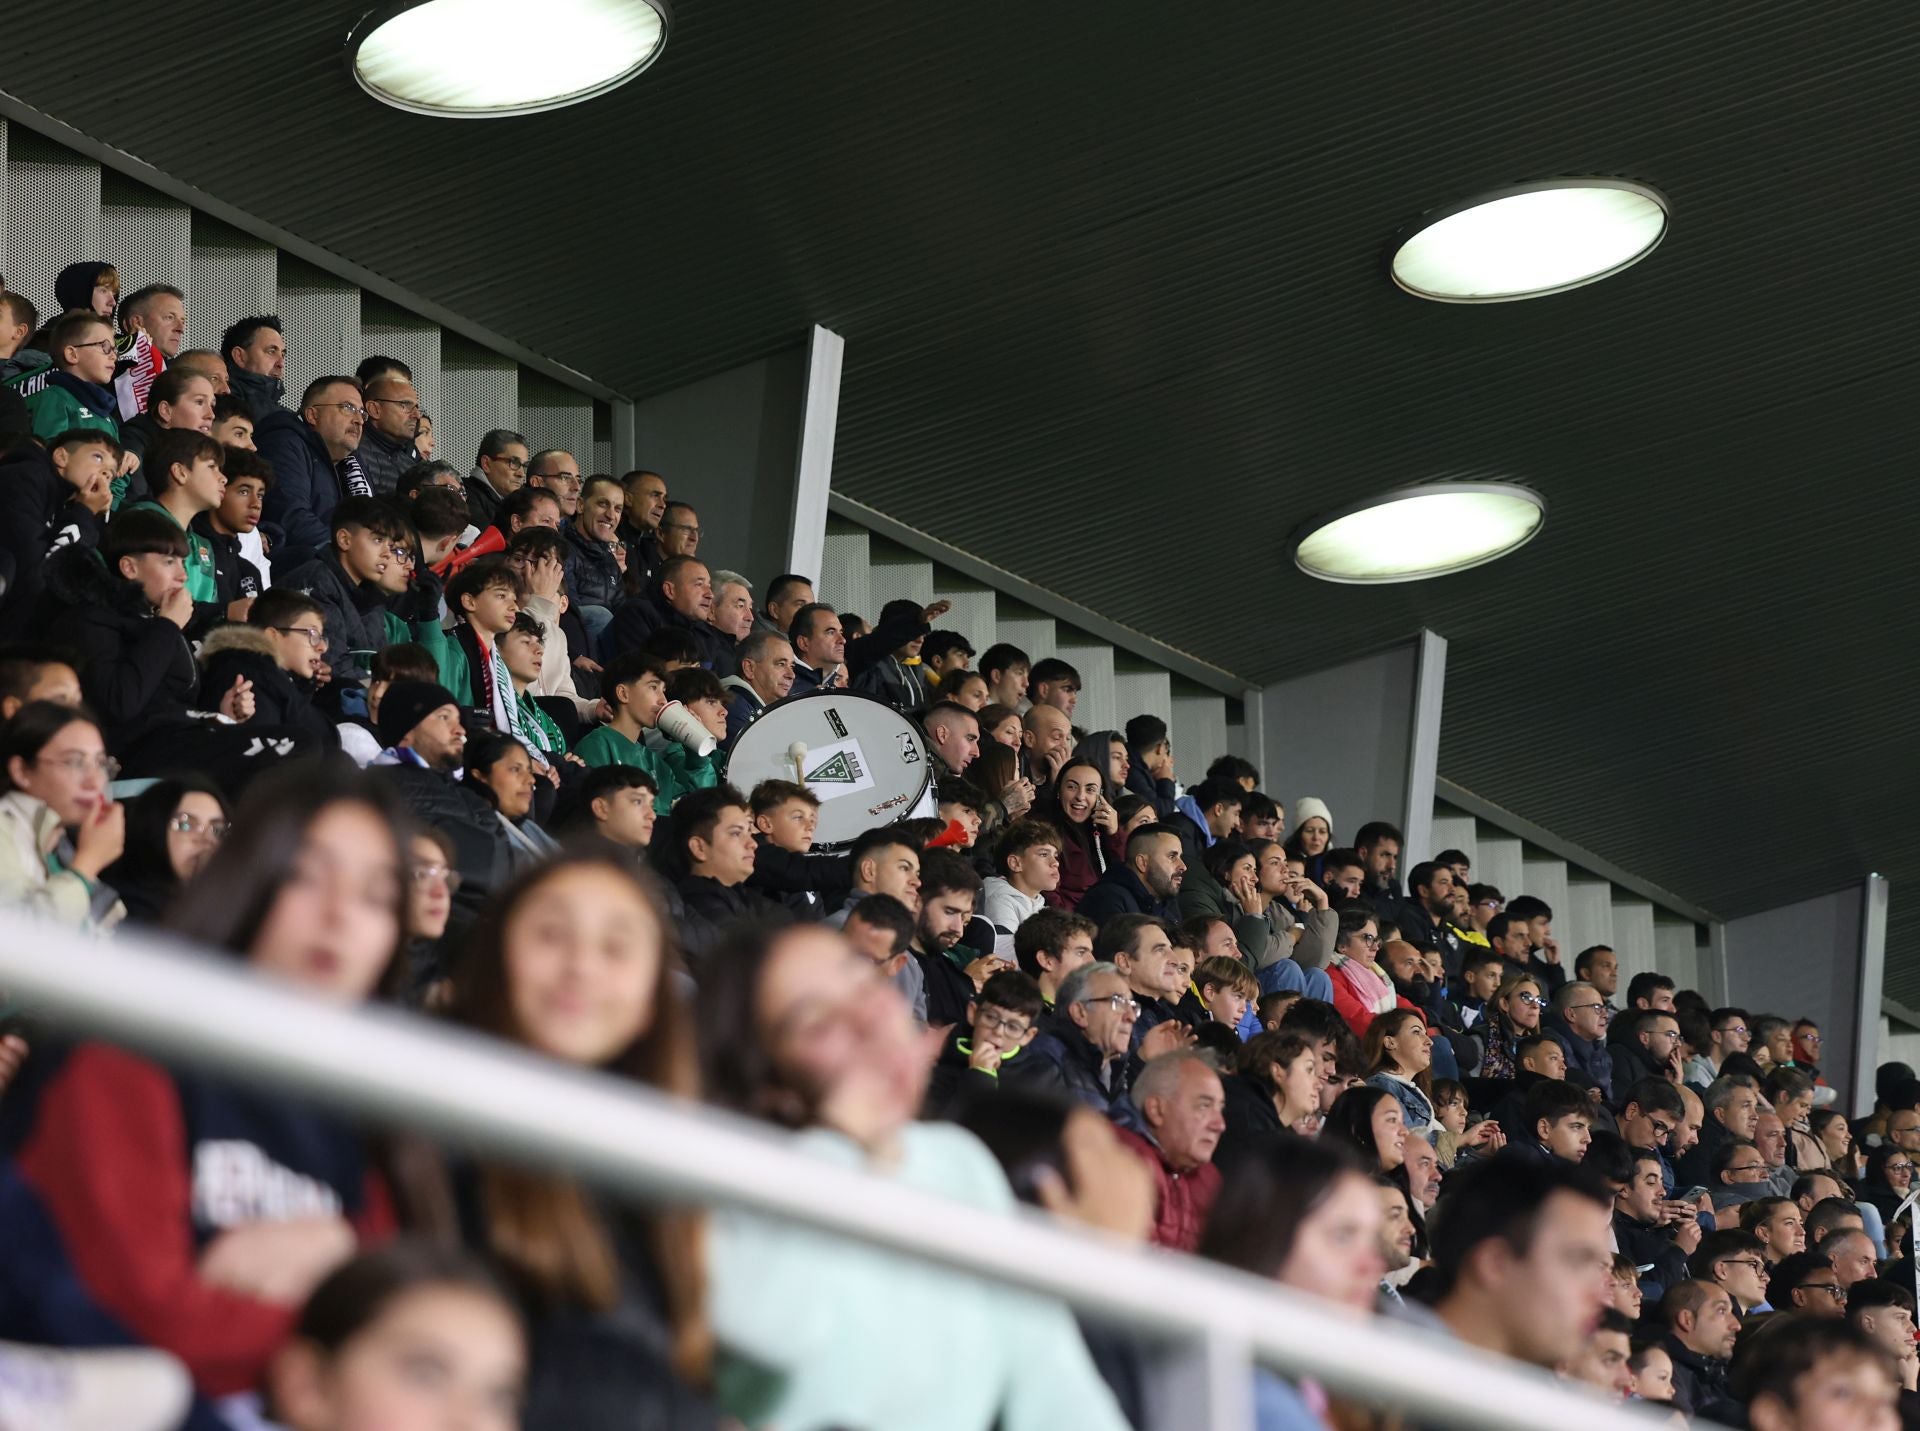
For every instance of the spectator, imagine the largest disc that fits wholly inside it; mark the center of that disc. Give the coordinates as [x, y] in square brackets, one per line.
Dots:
[256, 354]
[314, 469]
[1312, 835]
[386, 449]
[422, 746]
[558, 472]
[1558, 1119]
[953, 971]
[618, 802]
[1076, 808]
[523, 508]
[1701, 1329]
[62, 827]
[1736, 1262]
[1398, 1053]
[680, 601]
[943, 654]
[1341, 875]
[1361, 988]
[1006, 668]
[538, 555]
[1884, 1312]
[181, 400]
[646, 503]
[636, 690]
[281, 654]
[522, 648]
[1641, 1217]
[18, 320]
[1578, 1023]
[679, 531]
[1049, 945]
[1047, 736]
[1732, 1110]
[1274, 1090]
[119, 1147]
[1779, 1225]
[1150, 763]
[1514, 1014]
[1369, 1121]
[499, 470]
[1602, 1361]
[1543, 950]
[576, 961]
[231, 530]
[368, 1329]
[787, 593]
[1054, 682]
[1521, 1252]
[1851, 1252]
[1815, 1374]
[1423, 918]
[596, 561]
[1028, 857]
[866, 1349]
[731, 618]
[344, 581]
[766, 675]
[1650, 1050]
[882, 930]
[819, 648]
[183, 473]
[79, 390]
[1175, 1123]
[500, 770]
[990, 1050]
[35, 673]
[1092, 1033]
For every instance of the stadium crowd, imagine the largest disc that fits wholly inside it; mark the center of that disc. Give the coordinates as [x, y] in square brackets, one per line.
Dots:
[278, 680]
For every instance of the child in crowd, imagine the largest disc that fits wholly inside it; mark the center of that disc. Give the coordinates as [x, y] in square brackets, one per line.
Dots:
[635, 686]
[183, 473]
[226, 528]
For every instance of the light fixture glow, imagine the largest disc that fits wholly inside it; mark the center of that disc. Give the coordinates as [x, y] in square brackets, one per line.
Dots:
[1419, 532]
[483, 58]
[1531, 240]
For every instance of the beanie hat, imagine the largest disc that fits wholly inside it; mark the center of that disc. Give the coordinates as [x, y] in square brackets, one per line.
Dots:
[1306, 807]
[404, 706]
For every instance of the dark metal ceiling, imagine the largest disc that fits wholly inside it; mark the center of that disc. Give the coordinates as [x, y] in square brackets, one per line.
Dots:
[1111, 278]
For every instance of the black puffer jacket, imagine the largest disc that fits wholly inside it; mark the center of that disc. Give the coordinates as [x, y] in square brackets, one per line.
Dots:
[479, 842]
[594, 578]
[279, 699]
[136, 670]
[34, 496]
[638, 617]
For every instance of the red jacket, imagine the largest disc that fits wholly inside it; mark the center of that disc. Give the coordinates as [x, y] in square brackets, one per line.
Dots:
[115, 1164]
[1358, 1015]
[1181, 1201]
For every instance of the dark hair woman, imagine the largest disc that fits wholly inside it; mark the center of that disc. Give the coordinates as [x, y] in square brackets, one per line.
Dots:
[1078, 808]
[173, 828]
[59, 826]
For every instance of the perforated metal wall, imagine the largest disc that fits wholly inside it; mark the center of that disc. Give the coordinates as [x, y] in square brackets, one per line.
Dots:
[53, 216]
[322, 318]
[843, 581]
[478, 391]
[144, 234]
[394, 333]
[556, 416]
[233, 277]
[602, 440]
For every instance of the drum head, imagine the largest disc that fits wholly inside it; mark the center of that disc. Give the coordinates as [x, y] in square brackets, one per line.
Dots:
[865, 761]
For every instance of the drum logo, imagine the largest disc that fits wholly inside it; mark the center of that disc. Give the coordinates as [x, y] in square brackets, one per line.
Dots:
[843, 768]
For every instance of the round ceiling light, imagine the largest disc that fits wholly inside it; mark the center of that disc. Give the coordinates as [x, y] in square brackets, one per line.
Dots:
[471, 59]
[1530, 240]
[1414, 533]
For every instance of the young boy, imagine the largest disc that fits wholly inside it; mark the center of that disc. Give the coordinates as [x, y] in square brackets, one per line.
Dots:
[523, 647]
[1051, 945]
[183, 473]
[1226, 989]
[484, 599]
[700, 691]
[984, 1055]
[958, 802]
[617, 802]
[345, 581]
[35, 673]
[635, 686]
[85, 460]
[79, 390]
[282, 652]
[784, 816]
[232, 422]
[226, 527]
[1029, 858]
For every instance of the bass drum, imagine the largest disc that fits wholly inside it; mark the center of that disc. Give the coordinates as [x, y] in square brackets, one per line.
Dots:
[865, 762]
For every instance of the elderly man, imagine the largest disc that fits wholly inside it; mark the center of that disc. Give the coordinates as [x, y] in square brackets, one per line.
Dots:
[1092, 1030]
[1047, 741]
[1732, 1104]
[766, 676]
[1578, 1023]
[1176, 1117]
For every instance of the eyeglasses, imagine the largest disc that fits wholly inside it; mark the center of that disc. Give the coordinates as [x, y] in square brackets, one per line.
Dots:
[404, 404]
[1810, 1038]
[1116, 1002]
[517, 464]
[1488, 903]
[1752, 1263]
[1011, 1025]
[1892, 1168]
[1747, 1168]
[1832, 1289]
[437, 874]
[188, 825]
[1372, 941]
[1582, 1008]
[403, 553]
[1534, 999]
[316, 637]
[570, 479]
[1740, 1029]
[351, 409]
[81, 764]
[106, 343]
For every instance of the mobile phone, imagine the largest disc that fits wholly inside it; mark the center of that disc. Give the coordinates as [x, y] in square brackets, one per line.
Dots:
[1692, 1194]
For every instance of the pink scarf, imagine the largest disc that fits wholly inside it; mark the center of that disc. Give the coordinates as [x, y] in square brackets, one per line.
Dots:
[1373, 987]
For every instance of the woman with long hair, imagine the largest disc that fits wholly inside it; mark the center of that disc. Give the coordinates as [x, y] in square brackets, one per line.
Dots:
[200, 1211]
[173, 828]
[1513, 1013]
[577, 960]
[501, 771]
[1829, 1126]
[1078, 808]
[1368, 1121]
[59, 826]
[800, 1029]
[1274, 1089]
[1106, 751]
[995, 773]
[1306, 1215]
[1399, 1057]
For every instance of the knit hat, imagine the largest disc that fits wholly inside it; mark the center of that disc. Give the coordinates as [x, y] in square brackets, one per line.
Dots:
[1306, 807]
[405, 705]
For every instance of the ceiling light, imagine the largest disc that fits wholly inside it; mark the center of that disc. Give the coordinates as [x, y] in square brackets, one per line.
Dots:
[1530, 240]
[1417, 532]
[480, 58]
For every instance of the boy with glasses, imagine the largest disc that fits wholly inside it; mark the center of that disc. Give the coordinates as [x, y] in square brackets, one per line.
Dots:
[1735, 1261]
[988, 1052]
[282, 652]
[79, 390]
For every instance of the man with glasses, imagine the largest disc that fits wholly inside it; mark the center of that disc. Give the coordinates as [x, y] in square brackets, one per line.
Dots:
[1578, 1023]
[500, 469]
[1649, 1112]
[1649, 1050]
[559, 473]
[386, 448]
[1805, 1282]
[679, 531]
[1483, 902]
[1734, 1261]
[1091, 1033]
[314, 468]
[1728, 1034]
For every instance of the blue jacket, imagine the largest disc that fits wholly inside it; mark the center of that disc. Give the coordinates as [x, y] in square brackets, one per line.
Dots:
[305, 489]
[1587, 1057]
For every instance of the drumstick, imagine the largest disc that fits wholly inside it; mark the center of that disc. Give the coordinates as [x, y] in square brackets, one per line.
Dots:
[797, 753]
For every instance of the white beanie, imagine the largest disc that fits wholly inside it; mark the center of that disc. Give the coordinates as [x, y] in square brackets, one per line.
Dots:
[1306, 807]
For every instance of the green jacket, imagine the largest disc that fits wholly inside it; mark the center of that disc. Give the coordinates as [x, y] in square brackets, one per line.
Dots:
[55, 410]
[675, 770]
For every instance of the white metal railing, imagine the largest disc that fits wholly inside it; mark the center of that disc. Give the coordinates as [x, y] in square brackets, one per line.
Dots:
[400, 1069]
